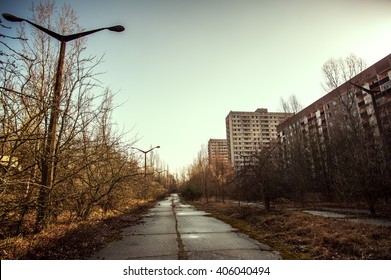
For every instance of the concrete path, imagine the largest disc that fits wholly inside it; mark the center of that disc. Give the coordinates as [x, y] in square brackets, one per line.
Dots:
[173, 230]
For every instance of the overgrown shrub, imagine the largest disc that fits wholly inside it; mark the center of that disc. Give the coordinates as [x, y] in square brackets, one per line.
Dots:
[191, 193]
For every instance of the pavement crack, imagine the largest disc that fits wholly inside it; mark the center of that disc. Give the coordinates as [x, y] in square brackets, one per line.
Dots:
[182, 255]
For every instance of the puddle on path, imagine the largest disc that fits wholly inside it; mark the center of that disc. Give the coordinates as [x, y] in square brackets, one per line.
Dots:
[326, 214]
[370, 221]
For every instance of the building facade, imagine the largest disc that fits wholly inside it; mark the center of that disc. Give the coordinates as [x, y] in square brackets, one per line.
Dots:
[218, 151]
[363, 102]
[249, 132]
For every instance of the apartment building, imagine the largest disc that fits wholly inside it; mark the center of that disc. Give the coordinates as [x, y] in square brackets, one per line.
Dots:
[249, 132]
[364, 99]
[218, 151]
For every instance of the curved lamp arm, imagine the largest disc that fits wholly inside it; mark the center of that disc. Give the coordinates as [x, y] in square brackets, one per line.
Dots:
[62, 38]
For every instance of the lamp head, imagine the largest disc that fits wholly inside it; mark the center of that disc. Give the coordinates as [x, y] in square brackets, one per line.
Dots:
[12, 18]
[117, 28]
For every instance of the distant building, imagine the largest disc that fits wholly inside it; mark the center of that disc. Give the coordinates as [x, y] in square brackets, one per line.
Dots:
[366, 98]
[218, 151]
[249, 132]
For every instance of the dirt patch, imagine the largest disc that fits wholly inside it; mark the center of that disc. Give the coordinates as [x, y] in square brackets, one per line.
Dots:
[298, 235]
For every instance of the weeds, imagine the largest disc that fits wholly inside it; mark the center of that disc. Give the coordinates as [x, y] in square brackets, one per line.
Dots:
[70, 240]
[298, 235]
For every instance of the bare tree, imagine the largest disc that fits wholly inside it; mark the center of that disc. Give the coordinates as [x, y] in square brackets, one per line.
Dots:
[358, 164]
[338, 71]
[199, 175]
[16, 129]
[90, 166]
[204, 171]
[220, 172]
[291, 104]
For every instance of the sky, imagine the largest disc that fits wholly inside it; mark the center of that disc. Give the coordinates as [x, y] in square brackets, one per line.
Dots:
[181, 66]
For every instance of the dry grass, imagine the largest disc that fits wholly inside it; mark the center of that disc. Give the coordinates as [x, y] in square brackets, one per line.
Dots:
[75, 240]
[298, 235]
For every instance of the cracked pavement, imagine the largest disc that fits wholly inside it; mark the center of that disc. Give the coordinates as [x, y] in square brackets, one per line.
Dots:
[173, 230]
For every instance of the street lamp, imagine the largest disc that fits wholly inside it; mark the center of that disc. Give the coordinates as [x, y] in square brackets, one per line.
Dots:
[145, 157]
[48, 158]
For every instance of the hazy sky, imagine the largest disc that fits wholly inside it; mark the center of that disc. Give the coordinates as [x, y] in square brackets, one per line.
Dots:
[182, 65]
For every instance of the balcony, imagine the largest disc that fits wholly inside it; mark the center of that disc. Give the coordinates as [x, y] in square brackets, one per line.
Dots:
[374, 85]
[378, 83]
[385, 86]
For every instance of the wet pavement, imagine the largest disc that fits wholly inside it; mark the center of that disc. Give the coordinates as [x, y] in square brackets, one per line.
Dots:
[326, 214]
[173, 230]
[350, 217]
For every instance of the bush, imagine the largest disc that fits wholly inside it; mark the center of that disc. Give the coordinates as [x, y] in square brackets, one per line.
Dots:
[191, 193]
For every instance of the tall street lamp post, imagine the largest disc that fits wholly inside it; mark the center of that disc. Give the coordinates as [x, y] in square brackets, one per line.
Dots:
[49, 152]
[145, 157]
